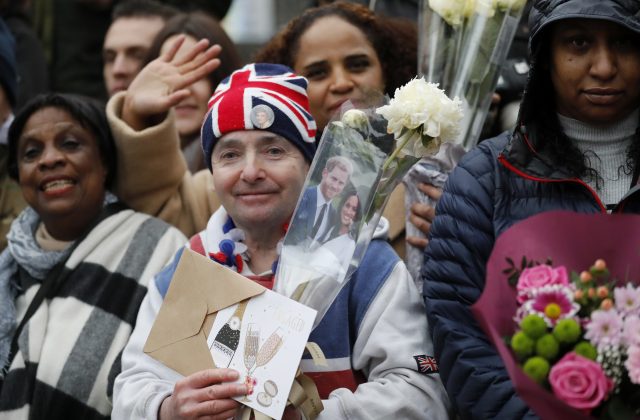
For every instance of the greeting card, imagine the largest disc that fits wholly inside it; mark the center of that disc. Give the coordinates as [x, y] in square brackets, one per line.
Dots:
[262, 338]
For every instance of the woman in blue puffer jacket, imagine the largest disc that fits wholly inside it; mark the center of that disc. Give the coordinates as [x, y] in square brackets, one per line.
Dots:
[576, 148]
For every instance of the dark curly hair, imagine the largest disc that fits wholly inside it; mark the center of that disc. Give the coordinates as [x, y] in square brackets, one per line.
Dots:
[539, 119]
[395, 40]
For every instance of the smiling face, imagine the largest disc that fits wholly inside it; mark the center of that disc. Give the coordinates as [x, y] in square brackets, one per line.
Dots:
[333, 182]
[349, 210]
[191, 111]
[258, 177]
[340, 64]
[594, 70]
[60, 171]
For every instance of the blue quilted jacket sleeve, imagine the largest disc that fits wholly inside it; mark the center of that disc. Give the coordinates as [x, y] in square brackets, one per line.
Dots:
[462, 236]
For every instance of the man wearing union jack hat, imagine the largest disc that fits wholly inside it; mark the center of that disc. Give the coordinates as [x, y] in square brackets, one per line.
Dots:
[374, 335]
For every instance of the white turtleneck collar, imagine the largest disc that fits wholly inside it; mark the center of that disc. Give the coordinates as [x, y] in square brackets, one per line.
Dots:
[610, 144]
[585, 133]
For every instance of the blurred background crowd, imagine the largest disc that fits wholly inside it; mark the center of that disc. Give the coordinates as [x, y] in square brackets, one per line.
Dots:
[96, 47]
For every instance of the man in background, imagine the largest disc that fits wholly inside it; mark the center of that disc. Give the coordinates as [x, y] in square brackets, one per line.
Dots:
[133, 28]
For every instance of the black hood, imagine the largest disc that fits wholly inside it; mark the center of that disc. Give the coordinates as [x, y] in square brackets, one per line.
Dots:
[538, 92]
[544, 12]
[537, 132]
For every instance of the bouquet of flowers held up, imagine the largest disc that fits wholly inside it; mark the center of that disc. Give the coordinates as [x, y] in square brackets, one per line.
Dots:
[362, 157]
[463, 45]
[422, 118]
[580, 336]
[570, 339]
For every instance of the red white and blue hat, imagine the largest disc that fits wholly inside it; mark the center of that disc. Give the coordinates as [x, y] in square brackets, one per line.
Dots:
[261, 96]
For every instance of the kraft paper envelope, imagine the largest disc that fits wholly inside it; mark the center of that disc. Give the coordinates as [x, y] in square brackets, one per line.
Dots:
[199, 288]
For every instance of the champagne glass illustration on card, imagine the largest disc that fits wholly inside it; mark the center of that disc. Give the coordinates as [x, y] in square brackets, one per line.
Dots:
[251, 345]
[269, 348]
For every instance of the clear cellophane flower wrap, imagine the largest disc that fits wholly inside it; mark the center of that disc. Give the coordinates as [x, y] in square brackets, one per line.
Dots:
[433, 170]
[463, 44]
[441, 30]
[568, 239]
[314, 270]
[382, 142]
[485, 45]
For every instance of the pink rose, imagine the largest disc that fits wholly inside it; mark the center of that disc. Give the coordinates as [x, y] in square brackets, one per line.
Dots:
[579, 382]
[538, 276]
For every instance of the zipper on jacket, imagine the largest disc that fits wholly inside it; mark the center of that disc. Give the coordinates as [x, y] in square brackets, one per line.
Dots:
[522, 174]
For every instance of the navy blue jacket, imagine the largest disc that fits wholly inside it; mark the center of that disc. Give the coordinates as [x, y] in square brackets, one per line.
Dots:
[495, 185]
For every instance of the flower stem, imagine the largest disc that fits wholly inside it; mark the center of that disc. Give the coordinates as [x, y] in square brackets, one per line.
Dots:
[397, 150]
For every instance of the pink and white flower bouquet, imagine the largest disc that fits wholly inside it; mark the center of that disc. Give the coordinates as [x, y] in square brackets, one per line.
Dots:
[568, 329]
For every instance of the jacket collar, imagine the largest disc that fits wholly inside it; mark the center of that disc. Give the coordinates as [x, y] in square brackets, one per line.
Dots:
[521, 157]
[522, 154]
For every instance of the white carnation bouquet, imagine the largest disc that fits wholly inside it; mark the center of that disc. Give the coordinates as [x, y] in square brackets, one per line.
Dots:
[463, 45]
[382, 142]
[421, 117]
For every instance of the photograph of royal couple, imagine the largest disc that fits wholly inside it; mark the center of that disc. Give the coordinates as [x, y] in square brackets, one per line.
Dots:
[330, 211]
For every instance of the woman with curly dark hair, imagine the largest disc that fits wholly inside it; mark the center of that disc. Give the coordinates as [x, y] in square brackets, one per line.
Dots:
[345, 51]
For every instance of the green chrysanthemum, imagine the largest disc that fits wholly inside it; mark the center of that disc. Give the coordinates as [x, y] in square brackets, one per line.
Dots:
[537, 368]
[522, 344]
[567, 331]
[547, 346]
[585, 349]
[534, 326]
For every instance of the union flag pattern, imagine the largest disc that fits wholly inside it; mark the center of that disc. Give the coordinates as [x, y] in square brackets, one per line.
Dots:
[260, 84]
[426, 364]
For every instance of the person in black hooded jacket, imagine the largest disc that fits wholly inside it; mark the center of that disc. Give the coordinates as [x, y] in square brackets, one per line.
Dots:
[575, 148]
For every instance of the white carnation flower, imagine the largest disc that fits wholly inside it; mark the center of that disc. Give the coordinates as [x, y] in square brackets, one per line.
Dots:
[485, 7]
[469, 8]
[420, 104]
[356, 119]
[452, 11]
[513, 5]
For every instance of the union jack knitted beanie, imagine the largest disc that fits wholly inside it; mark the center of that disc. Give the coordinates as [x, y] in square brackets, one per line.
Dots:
[261, 96]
